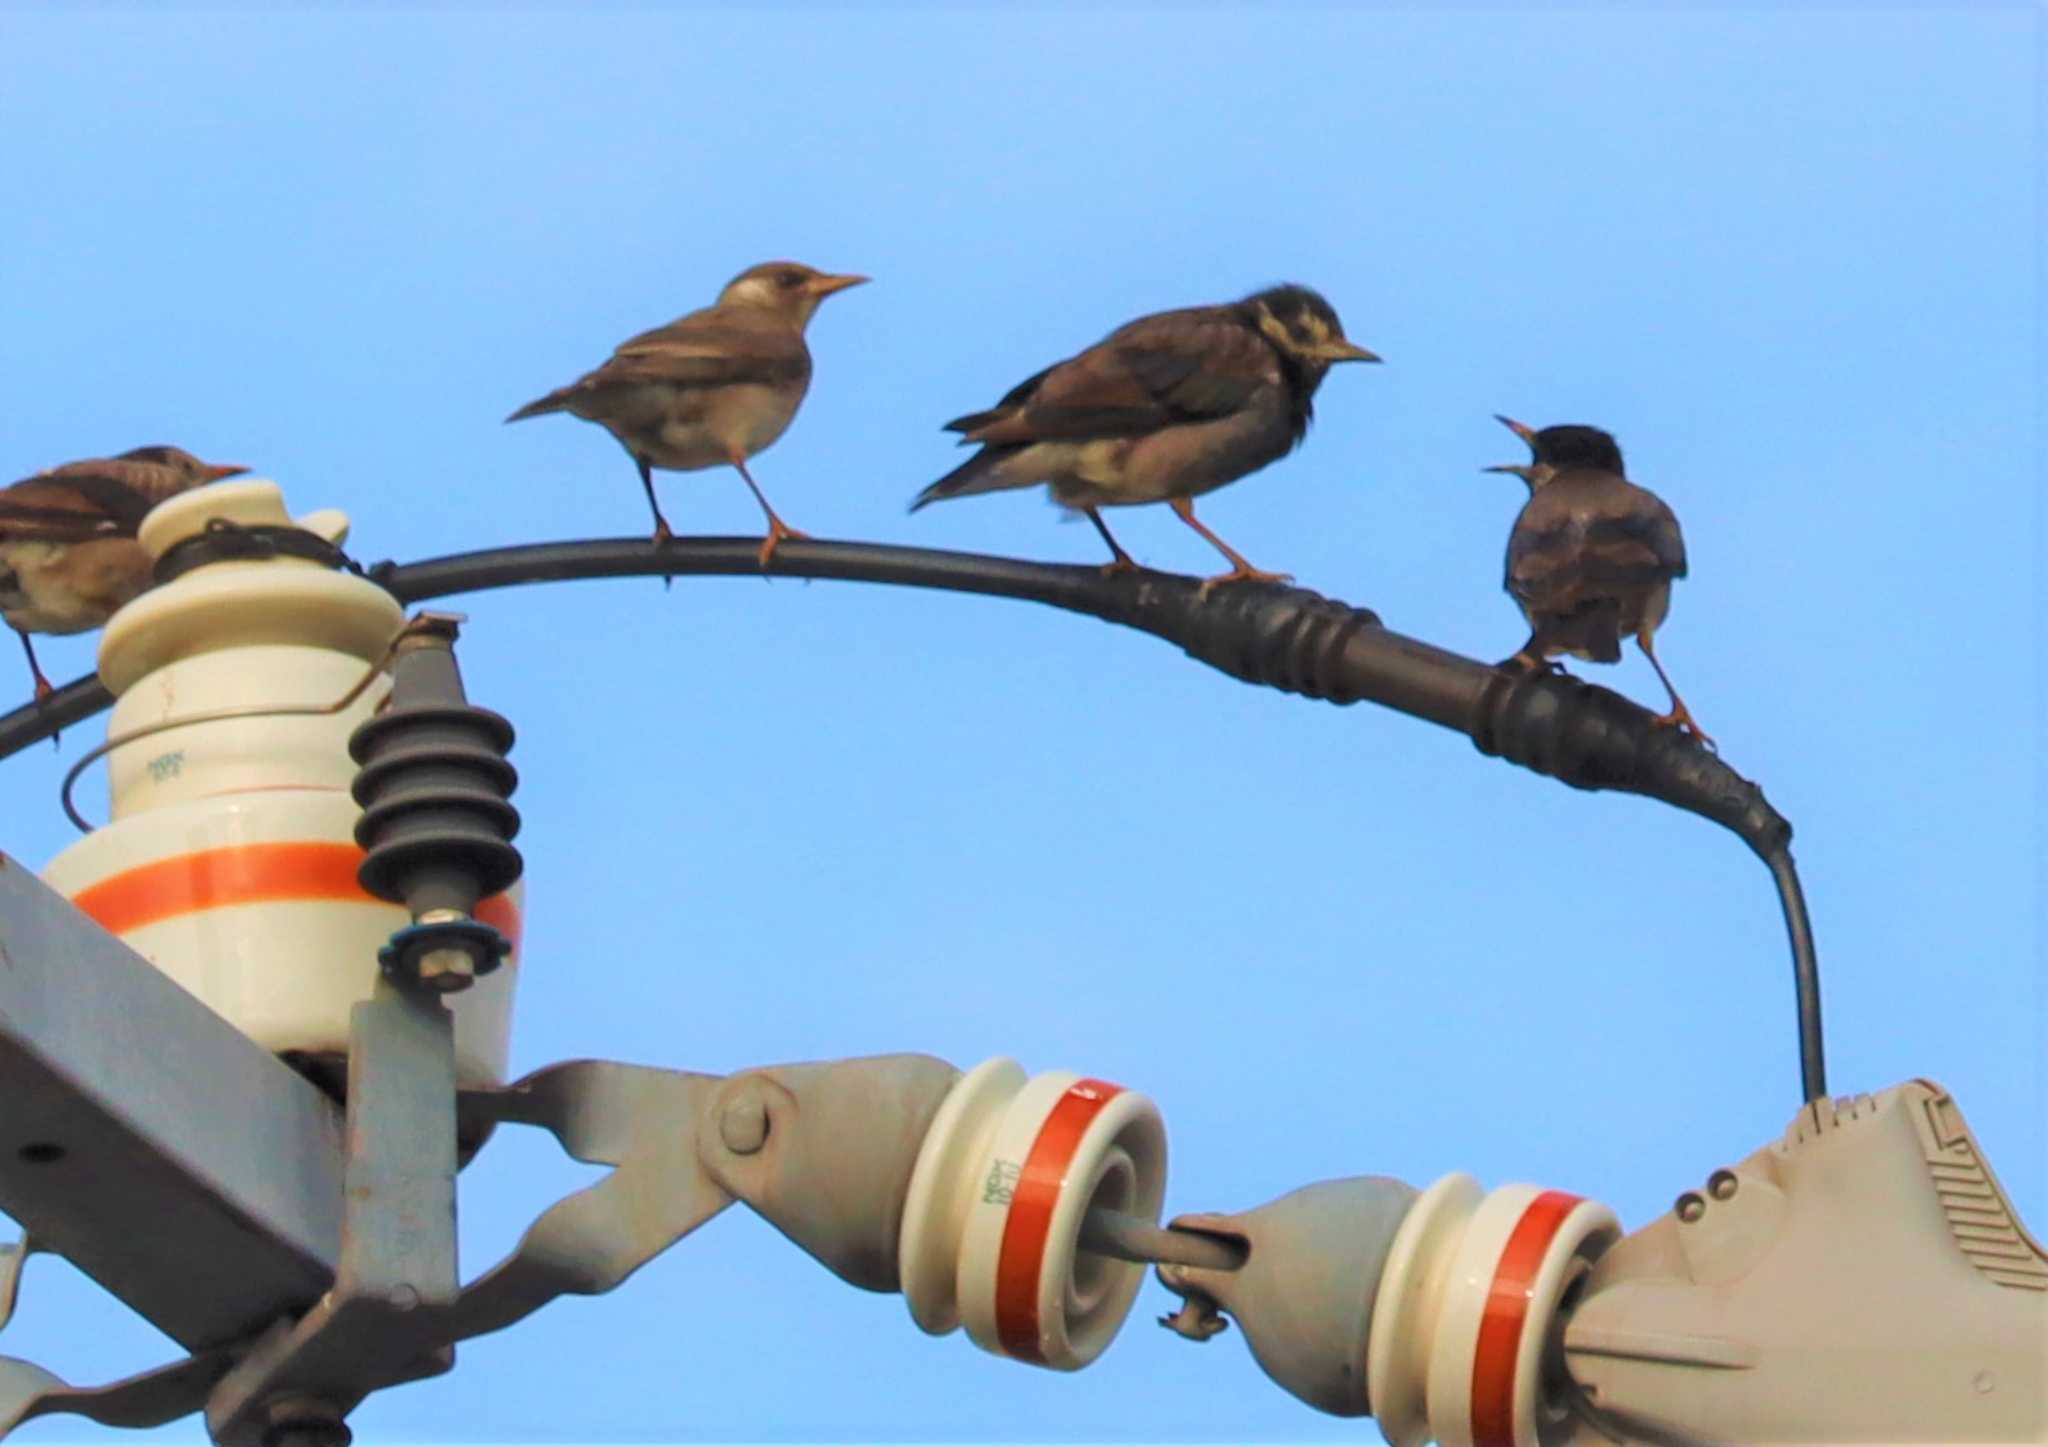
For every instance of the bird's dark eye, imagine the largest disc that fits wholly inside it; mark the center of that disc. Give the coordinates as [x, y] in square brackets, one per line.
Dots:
[791, 279]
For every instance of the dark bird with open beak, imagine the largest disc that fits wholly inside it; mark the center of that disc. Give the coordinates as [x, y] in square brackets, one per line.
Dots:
[1591, 557]
[709, 389]
[1163, 409]
[68, 555]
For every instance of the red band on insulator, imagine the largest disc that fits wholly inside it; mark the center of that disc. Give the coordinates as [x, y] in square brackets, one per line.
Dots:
[309, 872]
[1505, 1315]
[1022, 1255]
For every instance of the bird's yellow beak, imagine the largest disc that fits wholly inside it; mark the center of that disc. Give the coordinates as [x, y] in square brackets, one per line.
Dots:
[1527, 434]
[823, 286]
[1339, 350]
[227, 469]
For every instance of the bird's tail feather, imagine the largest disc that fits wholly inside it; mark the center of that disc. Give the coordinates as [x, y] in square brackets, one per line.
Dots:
[974, 420]
[1592, 631]
[979, 473]
[555, 401]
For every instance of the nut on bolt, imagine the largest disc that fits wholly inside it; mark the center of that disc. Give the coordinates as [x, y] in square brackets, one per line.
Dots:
[301, 1421]
[450, 969]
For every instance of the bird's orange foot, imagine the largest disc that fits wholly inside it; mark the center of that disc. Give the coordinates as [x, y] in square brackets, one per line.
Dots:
[662, 534]
[43, 691]
[1526, 662]
[779, 532]
[1681, 718]
[1243, 574]
[1122, 563]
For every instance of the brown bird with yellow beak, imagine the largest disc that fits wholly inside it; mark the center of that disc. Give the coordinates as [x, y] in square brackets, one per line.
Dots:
[1163, 409]
[1592, 556]
[711, 388]
[68, 555]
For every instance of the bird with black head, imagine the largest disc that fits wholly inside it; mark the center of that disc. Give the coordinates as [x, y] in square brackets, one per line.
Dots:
[1591, 557]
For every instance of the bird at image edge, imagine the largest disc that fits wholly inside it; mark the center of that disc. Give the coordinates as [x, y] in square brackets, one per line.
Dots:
[709, 389]
[68, 556]
[1163, 409]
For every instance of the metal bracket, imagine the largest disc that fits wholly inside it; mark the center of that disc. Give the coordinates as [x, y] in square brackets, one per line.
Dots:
[114, 1147]
[392, 1316]
[149, 1399]
[13, 1257]
[391, 1320]
[397, 1233]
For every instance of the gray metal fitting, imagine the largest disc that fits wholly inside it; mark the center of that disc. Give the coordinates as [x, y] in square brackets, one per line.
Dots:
[1304, 1296]
[743, 1123]
[824, 1152]
[446, 971]
[300, 1421]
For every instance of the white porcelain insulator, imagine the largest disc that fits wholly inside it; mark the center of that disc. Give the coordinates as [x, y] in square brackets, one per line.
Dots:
[229, 857]
[992, 1223]
[1466, 1307]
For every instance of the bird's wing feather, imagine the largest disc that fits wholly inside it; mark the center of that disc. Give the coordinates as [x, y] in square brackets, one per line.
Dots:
[1661, 533]
[75, 503]
[1010, 401]
[1158, 371]
[1581, 537]
[707, 349]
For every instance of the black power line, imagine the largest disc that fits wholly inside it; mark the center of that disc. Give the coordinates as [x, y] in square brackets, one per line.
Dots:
[1287, 638]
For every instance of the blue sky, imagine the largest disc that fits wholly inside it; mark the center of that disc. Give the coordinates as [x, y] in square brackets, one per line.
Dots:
[1789, 258]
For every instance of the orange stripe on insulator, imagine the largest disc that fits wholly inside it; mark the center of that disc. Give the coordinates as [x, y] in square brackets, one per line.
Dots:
[206, 879]
[1022, 1257]
[1507, 1313]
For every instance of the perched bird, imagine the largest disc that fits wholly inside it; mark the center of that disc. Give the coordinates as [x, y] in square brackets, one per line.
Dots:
[716, 386]
[68, 555]
[1163, 409]
[1592, 556]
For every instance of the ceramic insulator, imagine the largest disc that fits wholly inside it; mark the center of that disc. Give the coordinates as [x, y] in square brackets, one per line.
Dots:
[1466, 1306]
[992, 1221]
[229, 861]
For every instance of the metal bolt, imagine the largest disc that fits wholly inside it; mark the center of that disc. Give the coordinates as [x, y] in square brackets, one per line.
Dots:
[403, 1297]
[1691, 1206]
[1198, 1318]
[296, 1421]
[448, 970]
[1722, 1185]
[743, 1125]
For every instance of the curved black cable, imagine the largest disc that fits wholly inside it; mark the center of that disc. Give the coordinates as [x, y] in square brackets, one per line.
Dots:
[1813, 1075]
[1287, 638]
